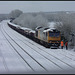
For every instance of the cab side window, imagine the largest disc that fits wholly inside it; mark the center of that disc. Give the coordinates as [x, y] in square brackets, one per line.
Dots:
[36, 33]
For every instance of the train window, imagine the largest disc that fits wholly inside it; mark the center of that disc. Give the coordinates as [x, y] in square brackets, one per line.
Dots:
[36, 33]
[45, 33]
[57, 34]
[51, 34]
[54, 34]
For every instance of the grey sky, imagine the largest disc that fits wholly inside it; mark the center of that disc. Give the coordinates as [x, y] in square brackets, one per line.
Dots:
[36, 6]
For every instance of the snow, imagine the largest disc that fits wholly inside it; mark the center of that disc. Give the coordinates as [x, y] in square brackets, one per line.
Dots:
[38, 27]
[11, 23]
[53, 24]
[35, 57]
[51, 29]
[32, 31]
[25, 28]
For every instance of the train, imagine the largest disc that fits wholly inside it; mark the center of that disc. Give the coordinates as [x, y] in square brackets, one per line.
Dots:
[48, 37]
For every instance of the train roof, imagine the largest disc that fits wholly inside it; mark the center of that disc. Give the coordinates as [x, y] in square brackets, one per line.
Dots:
[32, 31]
[17, 26]
[42, 28]
[46, 28]
[51, 29]
[14, 24]
[38, 27]
[25, 28]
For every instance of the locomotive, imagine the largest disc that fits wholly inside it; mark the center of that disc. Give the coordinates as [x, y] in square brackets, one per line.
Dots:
[48, 37]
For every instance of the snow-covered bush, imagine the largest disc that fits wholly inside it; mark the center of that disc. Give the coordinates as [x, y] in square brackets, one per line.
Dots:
[30, 21]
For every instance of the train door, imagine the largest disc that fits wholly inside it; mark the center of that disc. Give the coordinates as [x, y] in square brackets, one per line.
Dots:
[45, 36]
[36, 34]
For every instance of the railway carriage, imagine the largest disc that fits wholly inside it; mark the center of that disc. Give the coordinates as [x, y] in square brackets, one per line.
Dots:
[32, 34]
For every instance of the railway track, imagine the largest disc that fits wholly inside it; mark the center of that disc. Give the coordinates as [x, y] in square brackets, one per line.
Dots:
[2, 60]
[24, 53]
[51, 60]
[60, 53]
[30, 55]
[37, 52]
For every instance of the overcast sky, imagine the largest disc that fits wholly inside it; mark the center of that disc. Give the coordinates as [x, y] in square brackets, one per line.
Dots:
[36, 6]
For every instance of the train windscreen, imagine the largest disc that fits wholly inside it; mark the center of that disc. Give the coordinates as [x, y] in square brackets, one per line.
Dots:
[54, 34]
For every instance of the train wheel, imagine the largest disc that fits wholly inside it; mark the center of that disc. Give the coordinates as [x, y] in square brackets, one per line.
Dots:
[46, 45]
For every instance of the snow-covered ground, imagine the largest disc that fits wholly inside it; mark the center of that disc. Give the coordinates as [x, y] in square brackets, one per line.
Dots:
[19, 54]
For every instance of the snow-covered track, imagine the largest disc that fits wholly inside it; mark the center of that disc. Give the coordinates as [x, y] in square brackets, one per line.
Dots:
[54, 64]
[31, 58]
[35, 51]
[37, 57]
[15, 49]
[48, 53]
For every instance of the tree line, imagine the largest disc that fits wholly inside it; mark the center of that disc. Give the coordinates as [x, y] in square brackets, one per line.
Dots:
[31, 20]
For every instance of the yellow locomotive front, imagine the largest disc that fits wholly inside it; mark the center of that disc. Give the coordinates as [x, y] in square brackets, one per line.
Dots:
[54, 37]
[48, 36]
